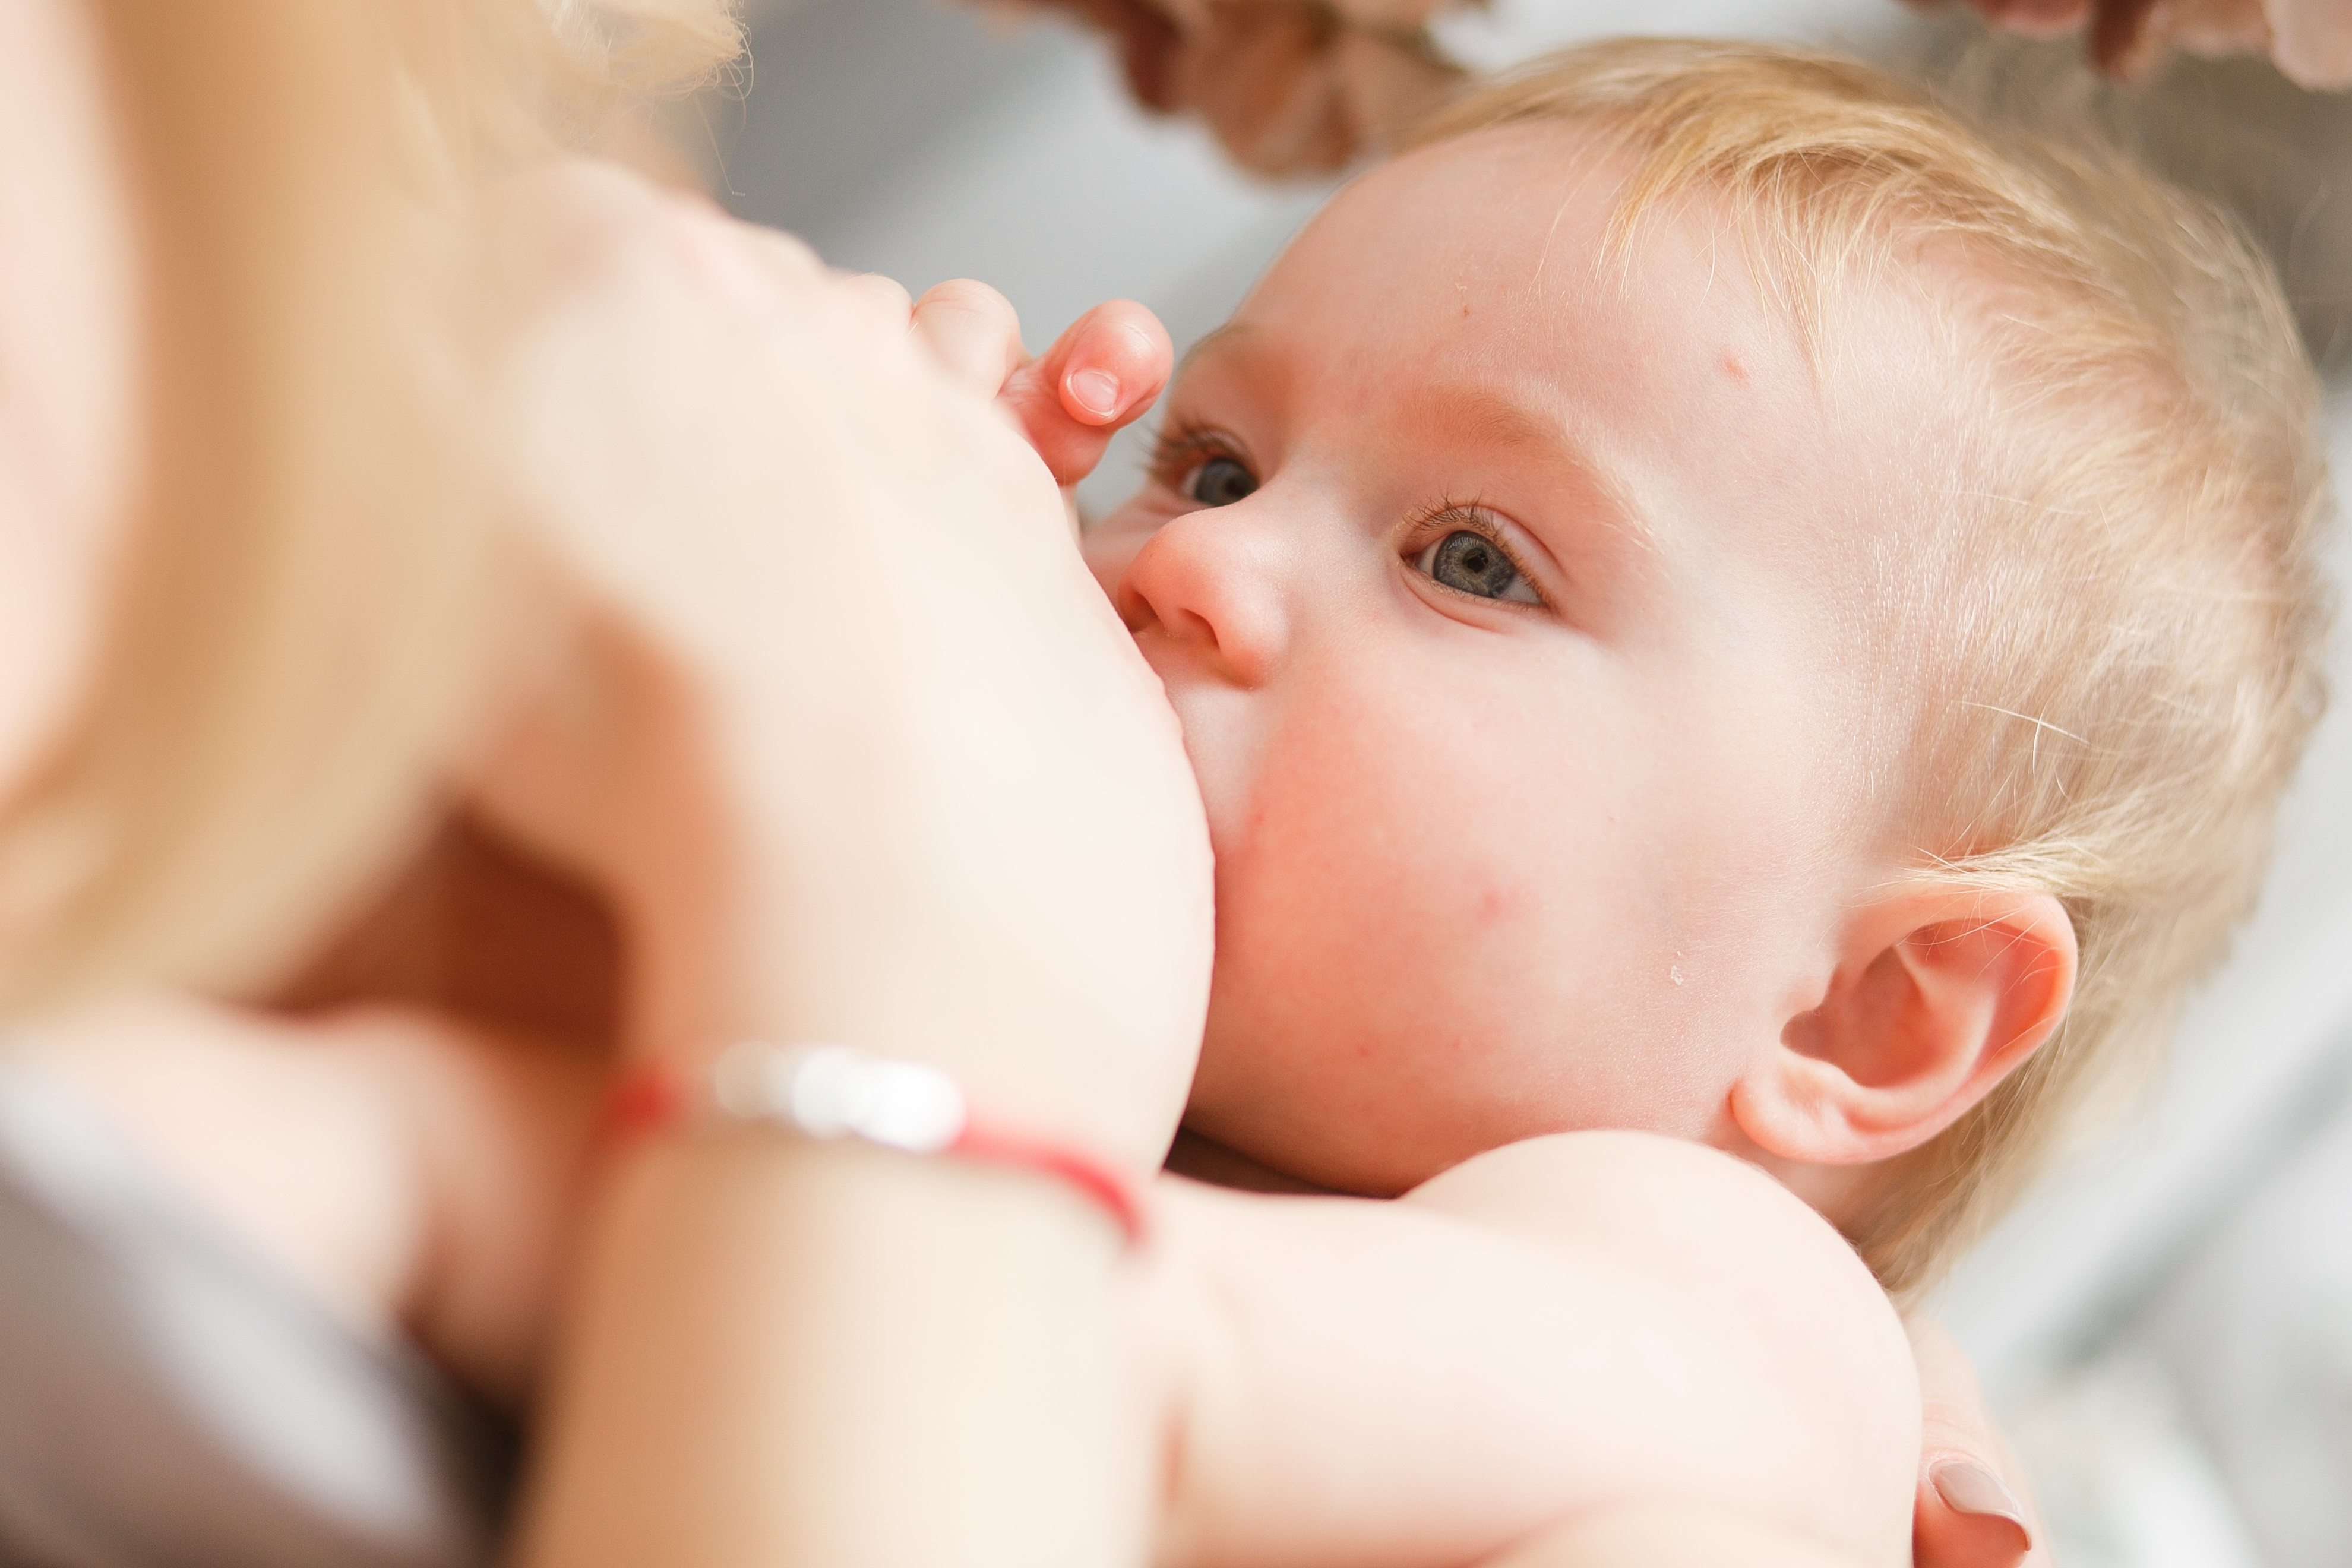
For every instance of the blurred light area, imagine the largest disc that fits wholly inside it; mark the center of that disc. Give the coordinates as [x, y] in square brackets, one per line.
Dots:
[1008, 155]
[930, 140]
[2124, 1482]
[2168, 1323]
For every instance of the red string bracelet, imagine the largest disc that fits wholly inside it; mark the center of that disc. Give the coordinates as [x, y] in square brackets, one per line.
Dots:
[835, 1092]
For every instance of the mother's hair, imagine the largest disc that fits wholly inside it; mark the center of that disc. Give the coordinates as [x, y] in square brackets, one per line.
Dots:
[302, 607]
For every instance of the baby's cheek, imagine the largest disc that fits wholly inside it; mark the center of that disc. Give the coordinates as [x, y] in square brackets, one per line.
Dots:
[1404, 940]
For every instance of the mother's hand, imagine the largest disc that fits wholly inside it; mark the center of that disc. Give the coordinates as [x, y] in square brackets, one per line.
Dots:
[838, 715]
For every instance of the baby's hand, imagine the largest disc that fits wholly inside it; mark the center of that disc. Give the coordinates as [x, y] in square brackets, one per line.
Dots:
[1965, 1516]
[1100, 375]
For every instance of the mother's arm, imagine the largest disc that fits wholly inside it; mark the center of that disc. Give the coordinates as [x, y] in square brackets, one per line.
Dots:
[839, 721]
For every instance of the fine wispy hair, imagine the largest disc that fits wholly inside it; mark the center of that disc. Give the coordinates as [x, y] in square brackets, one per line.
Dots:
[2093, 628]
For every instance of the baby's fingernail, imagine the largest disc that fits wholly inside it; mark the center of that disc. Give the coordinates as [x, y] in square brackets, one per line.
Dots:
[1971, 1489]
[1096, 390]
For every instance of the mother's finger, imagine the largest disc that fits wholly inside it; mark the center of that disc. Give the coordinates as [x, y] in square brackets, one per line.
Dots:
[973, 331]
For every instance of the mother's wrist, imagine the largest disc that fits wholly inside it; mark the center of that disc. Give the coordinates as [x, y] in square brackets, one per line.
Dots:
[823, 1094]
[864, 880]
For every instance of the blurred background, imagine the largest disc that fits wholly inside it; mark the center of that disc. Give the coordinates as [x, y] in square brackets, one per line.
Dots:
[2167, 1327]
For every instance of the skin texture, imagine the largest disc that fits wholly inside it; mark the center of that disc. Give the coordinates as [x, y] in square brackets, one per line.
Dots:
[690, 1383]
[952, 787]
[1493, 868]
[1554, 1328]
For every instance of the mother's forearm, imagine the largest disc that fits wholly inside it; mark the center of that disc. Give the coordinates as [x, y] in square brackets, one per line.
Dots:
[783, 1352]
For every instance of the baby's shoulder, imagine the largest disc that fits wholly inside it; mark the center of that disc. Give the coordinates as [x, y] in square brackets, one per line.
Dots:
[1683, 1206]
[1697, 1224]
[1741, 1271]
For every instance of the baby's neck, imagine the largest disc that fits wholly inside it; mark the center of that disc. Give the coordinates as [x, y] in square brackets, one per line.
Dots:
[1204, 1159]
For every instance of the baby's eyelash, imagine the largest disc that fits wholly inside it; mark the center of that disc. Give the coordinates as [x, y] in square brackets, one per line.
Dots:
[1471, 516]
[1179, 448]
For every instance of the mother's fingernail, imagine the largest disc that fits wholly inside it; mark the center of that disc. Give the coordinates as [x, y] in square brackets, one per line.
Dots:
[1971, 1489]
[1096, 390]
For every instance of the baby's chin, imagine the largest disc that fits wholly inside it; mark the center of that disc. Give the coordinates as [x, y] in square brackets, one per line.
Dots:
[1324, 1147]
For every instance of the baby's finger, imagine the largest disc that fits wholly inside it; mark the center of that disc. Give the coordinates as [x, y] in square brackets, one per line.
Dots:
[1110, 365]
[1965, 1515]
[1103, 373]
[972, 330]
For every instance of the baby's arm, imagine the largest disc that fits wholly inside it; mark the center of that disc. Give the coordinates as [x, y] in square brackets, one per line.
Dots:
[1539, 1340]
[1668, 1535]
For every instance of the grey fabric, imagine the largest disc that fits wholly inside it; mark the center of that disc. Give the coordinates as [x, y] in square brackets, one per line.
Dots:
[167, 1402]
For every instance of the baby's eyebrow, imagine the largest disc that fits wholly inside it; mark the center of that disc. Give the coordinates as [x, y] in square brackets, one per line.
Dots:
[1496, 415]
[1508, 421]
[1219, 340]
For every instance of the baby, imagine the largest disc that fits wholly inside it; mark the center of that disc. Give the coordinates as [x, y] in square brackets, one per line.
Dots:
[1702, 599]
[1726, 624]
[1708, 598]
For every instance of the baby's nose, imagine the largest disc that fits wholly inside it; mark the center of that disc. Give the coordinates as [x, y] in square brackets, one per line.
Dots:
[1213, 583]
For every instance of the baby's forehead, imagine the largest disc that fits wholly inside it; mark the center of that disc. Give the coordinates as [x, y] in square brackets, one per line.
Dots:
[1506, 245]
[1511, 263]
[1561, 211]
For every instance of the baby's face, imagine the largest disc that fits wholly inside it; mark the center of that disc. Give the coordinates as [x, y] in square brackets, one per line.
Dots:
[1503, 591]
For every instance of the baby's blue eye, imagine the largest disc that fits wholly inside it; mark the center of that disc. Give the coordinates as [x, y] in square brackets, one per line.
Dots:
[1475, 565]
[1221, 481]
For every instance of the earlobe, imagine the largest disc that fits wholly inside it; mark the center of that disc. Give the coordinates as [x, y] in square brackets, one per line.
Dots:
[1938, 995]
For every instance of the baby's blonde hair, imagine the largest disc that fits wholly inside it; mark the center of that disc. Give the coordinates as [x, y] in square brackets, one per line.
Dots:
[2100, 646]
[298, 632]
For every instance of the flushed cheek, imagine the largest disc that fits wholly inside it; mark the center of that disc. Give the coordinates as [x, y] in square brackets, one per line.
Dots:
[1420, 935]
[1227, 733]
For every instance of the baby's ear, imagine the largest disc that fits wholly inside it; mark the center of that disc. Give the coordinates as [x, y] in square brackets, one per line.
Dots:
[1938, 994]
